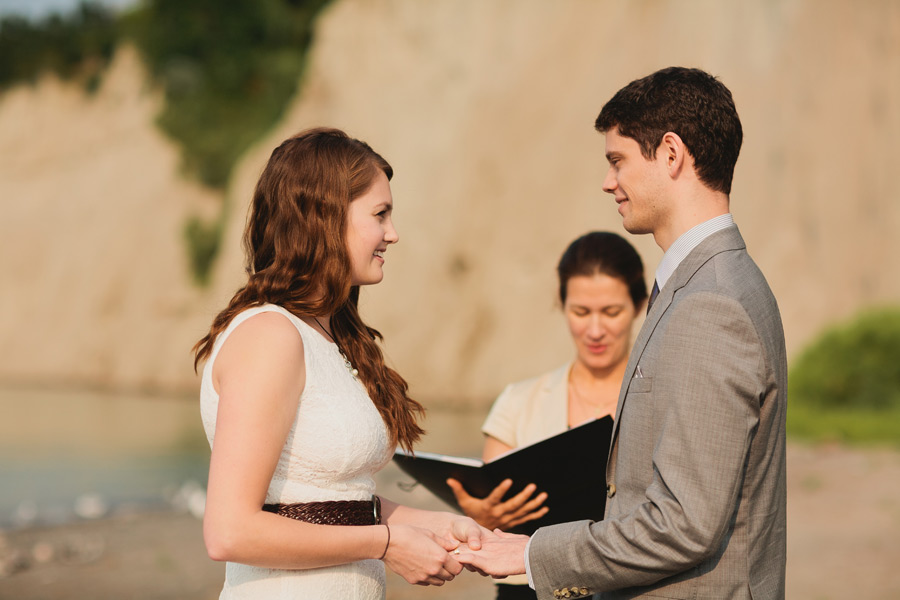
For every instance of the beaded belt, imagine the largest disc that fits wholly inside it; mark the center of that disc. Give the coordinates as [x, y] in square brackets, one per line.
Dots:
[335, 512]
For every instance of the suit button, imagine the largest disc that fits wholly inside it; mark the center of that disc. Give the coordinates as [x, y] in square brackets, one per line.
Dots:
[611, 490]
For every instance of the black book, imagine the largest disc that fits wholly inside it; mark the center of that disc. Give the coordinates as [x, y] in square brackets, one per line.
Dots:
[570, 467]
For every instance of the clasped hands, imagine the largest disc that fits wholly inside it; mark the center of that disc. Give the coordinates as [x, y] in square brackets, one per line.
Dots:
[437, 553]
[438, 548]
[500, 554]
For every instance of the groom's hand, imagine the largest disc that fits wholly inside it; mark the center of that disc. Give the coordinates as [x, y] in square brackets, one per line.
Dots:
[499, 556]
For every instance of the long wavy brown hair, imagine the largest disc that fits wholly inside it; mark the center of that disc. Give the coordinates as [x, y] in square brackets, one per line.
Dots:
[297, 258]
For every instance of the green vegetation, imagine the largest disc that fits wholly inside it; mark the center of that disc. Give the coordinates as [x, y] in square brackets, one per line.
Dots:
[203, 240]
[227, 70]
[75, 47]
[846, 385]
[227, 74]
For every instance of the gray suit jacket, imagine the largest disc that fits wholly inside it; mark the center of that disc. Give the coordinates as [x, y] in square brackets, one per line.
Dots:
[696, 473]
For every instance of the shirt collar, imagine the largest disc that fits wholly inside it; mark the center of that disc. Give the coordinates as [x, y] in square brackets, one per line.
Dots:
[686, 242]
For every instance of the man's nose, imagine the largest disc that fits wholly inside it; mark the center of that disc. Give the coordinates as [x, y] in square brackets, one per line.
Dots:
[609, 183]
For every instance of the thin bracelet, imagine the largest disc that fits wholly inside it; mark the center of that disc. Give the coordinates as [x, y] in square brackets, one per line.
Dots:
[383, 554]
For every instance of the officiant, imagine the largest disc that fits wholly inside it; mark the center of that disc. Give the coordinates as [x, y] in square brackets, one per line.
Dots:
[601, 292]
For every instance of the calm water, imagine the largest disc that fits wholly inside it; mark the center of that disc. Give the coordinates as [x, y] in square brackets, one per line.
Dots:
[67, 455]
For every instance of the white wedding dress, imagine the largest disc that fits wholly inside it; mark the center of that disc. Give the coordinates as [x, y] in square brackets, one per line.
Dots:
[337, 442]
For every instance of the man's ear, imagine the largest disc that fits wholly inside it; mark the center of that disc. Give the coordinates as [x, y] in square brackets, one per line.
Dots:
[674, 153]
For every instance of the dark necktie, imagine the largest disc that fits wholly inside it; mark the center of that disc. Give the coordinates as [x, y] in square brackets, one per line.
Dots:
[653, 294]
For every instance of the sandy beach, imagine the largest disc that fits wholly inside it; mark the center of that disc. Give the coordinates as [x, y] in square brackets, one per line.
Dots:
[843, 542]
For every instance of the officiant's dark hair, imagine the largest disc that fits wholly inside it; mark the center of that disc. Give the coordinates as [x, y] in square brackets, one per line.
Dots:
[297, 258]
[606, 253]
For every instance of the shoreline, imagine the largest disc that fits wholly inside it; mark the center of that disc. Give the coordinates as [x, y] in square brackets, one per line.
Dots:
[147, 555]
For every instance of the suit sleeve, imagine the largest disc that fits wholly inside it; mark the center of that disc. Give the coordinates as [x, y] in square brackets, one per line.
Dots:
[706, 387]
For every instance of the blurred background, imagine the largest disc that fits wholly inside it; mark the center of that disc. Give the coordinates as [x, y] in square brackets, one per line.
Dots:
[132, 133]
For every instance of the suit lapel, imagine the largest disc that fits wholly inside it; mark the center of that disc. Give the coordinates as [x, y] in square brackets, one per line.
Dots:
[721, 241]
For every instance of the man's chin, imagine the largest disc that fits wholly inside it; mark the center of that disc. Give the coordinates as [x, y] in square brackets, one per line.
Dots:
[635, 228]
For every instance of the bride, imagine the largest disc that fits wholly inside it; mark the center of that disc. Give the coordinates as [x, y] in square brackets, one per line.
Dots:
[297, 402]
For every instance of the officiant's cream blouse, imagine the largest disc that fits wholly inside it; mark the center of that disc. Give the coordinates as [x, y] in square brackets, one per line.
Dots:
[532, 410]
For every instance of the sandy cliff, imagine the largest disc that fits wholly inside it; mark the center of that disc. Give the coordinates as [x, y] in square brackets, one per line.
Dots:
[485, 109]
[97, 289]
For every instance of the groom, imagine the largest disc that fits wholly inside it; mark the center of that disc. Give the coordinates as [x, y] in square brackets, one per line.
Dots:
[696, 470]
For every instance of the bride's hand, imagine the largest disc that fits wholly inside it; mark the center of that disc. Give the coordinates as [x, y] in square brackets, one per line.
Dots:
[420, 556]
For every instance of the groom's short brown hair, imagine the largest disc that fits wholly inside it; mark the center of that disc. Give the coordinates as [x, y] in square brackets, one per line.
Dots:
[689, 102]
